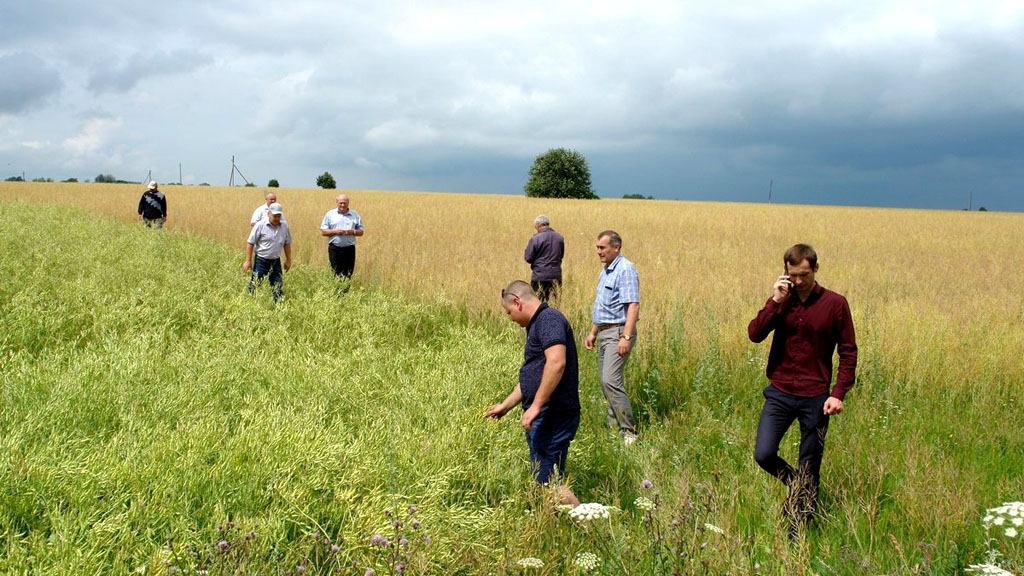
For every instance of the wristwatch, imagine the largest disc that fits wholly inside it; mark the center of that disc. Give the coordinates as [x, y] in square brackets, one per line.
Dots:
[626, 336]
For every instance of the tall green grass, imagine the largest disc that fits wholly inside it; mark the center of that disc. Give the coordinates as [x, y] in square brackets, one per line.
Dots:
[146, 395]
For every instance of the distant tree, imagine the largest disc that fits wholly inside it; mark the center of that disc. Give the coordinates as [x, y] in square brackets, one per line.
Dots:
[42, 179]
[982, 209]
[273, 183]
[250, 185]
[560, 173]
[325, 180]
[70, 180]
[15, 179]
[637, 197]
[104, 179]
[205, 184]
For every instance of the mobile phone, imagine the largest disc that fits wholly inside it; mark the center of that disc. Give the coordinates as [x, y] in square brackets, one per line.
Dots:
[786, 268]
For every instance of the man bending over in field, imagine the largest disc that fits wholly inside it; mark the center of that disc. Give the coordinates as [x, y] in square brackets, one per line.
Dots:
[268, 238]
[810, 322]
[548, 384]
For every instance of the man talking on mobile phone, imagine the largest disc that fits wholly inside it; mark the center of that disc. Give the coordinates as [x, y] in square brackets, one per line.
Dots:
[810, 323]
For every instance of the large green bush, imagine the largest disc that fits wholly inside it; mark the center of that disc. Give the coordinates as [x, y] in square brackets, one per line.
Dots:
[560, 173]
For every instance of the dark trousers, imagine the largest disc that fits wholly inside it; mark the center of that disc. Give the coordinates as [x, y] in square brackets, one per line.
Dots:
[261, 268]
[777, 415]
[546, 289]
[343, 259]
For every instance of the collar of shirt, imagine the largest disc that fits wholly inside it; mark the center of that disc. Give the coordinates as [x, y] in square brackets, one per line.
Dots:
[609, 268]
[815, 294]
[533, 318]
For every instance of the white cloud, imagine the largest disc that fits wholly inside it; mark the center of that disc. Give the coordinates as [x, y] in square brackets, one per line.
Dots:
[401, 133]
[93, 136]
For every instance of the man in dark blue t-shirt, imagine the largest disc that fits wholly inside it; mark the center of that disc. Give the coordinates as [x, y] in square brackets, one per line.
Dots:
[548, 384]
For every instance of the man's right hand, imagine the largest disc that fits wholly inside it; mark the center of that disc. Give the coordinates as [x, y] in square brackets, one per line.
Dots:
[496, 411]
[782, 287]
[246, 265]
[590, 341]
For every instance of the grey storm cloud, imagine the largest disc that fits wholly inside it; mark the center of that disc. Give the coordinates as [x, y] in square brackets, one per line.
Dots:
[27, 82]
[142, 65]
[667, 98]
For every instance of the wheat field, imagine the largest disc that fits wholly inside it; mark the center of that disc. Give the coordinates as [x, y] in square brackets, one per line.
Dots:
[929, 440]
[931, 285]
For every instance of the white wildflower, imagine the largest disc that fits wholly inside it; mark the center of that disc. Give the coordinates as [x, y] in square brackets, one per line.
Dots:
[1017, 521]
[988, 570]
[1010, 532]
[999, 521]
[589, 512]
[586, 561]
[531, 563]
[645, 504]
[713, 528]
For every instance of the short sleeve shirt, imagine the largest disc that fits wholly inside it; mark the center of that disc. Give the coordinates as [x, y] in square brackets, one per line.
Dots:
[335, 220]
[617, 287]
[548, 328]
[269, 240]
[261, 214]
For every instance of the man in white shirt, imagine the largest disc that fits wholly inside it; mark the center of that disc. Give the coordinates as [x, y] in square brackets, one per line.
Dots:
[342, 226]
[261, 212]
[268, 238]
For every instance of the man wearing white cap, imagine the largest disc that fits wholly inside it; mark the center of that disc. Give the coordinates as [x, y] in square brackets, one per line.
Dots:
[268, 238]
[153, 207]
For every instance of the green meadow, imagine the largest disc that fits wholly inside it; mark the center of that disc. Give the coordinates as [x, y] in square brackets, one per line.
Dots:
[156, 418]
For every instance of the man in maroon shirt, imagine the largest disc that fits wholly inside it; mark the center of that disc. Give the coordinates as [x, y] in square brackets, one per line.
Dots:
[810, 323]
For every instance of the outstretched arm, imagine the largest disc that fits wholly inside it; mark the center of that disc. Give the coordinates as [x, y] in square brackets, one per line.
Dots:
[510, 402]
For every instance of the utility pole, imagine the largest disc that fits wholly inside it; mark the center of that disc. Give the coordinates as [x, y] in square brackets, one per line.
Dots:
[179, 174]
[770, 184]
[970, 207]
[234, 169]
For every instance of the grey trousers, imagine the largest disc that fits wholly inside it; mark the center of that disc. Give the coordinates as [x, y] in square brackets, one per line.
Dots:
[610, 367]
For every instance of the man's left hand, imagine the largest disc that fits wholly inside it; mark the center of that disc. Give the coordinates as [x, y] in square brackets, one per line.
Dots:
[287, 265]
[833, 406]
[623, 346]
[529, 416]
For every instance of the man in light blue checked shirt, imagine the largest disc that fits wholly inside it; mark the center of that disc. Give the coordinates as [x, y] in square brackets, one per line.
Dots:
[616, 311]
[342, 226]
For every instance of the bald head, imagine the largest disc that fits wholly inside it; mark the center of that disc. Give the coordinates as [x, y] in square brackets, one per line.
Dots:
[520, 302]
[517, 289]
[343, 203]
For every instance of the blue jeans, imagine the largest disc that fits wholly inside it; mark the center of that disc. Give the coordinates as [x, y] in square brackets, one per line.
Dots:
[262, 267]
[549, 438]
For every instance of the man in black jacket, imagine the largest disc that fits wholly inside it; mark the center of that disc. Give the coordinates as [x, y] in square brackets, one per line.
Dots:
[153, 207]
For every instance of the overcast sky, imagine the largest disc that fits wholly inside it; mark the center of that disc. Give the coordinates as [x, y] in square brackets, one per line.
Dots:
[882, 103]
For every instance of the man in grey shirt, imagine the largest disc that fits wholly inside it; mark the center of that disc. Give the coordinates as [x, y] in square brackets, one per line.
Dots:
[268, 238]
[544, 253]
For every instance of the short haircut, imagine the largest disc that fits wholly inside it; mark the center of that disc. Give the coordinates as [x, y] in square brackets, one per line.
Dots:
[613, 237]
[797, 253]
[542, 220]
[517, 289]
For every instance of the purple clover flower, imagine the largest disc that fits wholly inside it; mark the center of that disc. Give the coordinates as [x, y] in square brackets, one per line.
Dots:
[647, 484]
